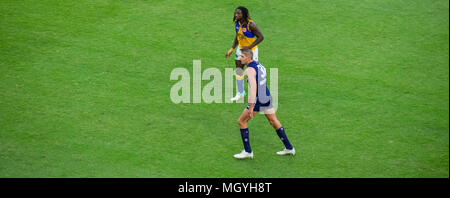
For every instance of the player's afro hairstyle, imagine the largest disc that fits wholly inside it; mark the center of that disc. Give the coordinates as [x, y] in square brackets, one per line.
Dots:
[245, 14]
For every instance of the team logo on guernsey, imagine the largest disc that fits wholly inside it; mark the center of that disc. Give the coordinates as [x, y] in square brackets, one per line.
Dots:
[244, 29]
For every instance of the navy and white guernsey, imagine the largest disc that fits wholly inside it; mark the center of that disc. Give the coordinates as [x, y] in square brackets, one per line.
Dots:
[262, 92]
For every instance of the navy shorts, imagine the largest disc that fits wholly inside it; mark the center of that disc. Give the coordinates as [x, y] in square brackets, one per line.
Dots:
[261, 107]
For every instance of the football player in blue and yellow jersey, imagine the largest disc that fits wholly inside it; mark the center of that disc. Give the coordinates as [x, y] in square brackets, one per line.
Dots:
[248, 36]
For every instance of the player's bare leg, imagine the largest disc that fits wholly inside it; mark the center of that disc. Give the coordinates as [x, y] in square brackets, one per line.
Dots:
[272, 118]
[244, 118]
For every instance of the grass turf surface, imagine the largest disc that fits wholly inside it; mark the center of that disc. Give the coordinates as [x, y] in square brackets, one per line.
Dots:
[363, 89]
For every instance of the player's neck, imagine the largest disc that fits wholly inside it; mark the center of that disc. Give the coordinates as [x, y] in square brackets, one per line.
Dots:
[242, 21]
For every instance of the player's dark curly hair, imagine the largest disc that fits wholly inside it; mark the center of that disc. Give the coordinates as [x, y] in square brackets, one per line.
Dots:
[245, 14]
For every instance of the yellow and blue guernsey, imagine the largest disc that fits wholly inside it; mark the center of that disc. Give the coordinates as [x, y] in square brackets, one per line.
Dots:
[244, 36]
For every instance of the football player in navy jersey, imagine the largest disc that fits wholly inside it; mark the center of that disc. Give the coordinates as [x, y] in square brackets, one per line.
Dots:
[259, 100]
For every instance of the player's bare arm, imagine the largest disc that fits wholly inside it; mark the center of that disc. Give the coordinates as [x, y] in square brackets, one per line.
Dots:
[235, 43]
[258, 34]
[251, 76]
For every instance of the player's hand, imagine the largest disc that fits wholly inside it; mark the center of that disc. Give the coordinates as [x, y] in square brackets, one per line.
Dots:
[229, 53]
[250, 113]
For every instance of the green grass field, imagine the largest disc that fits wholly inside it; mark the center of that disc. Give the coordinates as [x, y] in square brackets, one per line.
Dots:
[85, 89]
